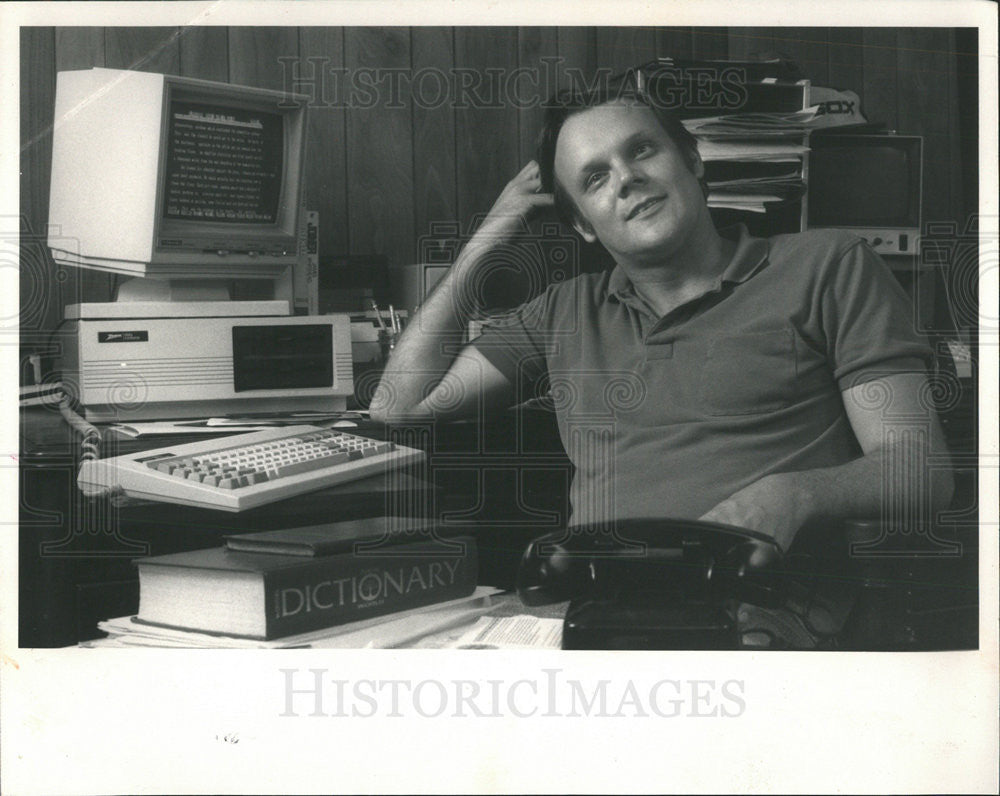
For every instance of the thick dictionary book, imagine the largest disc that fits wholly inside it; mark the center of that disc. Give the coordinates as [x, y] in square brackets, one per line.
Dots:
[332, 537]
[267, 596]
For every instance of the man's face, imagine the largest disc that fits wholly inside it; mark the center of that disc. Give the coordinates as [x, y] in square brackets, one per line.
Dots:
[632, 186]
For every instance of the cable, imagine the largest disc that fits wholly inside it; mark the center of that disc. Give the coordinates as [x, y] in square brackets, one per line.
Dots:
[90, 444]
[51, 335]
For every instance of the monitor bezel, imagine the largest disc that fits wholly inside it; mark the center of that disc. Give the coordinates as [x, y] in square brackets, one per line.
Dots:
[911, 144]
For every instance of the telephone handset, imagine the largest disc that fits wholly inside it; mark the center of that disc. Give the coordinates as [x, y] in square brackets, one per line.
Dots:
[676, 558]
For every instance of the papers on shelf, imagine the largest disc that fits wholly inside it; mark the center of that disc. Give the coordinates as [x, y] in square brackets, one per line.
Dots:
[748, 206]
[752, 124]
[751, 185]
[757, 185]
[770, 152]
[768, 137]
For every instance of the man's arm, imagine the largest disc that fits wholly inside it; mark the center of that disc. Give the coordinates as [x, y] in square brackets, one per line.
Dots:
[896, 432]
[430, 374]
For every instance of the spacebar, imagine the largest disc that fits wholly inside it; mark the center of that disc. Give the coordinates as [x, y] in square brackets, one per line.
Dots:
[307, 466]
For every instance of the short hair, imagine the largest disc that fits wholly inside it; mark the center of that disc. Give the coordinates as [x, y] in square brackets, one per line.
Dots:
[571, 102]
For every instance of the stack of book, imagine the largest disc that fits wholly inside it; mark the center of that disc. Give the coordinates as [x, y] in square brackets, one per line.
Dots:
[292, 587]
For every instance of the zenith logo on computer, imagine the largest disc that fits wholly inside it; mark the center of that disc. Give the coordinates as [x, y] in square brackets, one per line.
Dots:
[123, 337]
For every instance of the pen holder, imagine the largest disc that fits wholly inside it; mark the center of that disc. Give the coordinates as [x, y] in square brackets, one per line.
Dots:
[386, 343]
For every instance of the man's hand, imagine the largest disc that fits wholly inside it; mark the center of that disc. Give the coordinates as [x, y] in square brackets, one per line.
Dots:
[891, 476]
[517, 202]
[774, 505]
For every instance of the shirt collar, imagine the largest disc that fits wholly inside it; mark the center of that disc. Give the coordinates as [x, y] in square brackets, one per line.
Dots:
[750, 255]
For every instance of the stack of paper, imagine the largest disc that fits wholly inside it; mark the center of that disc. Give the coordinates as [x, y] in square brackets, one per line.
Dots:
[752, 125]
[771, 152]
[394, 630]
[745, 141]
[746, 188]
[767, 137]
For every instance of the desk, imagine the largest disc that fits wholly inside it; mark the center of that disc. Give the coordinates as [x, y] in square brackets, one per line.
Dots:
[506, 481]
[75, 554]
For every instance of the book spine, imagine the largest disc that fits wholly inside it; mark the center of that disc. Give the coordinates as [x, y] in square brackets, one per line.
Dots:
[337, 589]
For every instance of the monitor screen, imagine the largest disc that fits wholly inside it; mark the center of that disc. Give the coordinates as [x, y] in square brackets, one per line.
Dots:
[223, 164]
[184, 178]
[230, 173]
[871, 181]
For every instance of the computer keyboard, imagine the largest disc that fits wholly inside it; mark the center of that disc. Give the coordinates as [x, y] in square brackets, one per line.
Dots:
[246, 470]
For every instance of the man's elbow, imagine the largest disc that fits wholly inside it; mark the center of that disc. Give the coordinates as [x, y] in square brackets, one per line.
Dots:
[386, 412]
[386, 407]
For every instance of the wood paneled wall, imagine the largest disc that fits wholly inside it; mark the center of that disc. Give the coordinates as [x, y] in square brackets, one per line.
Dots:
[383, 173]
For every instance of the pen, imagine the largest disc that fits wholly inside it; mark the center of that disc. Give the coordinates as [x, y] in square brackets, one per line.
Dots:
[378, 315]
[394, 320]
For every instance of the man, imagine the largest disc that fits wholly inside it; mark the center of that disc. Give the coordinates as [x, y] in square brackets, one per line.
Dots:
[722, 377]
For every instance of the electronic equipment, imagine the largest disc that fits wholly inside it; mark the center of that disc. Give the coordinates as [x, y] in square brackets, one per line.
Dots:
[166, 176]
[246, 470]
[187, 185]
[154, 368]
[869, 184]
[671, 578]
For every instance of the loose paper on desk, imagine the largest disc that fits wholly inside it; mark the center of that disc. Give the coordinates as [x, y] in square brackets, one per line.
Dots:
[512, 632]
[178, 427]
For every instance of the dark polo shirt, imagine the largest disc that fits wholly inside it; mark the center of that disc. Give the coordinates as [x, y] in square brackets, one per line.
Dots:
[667, 416]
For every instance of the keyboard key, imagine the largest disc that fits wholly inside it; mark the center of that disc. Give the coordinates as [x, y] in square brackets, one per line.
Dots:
[304, 467]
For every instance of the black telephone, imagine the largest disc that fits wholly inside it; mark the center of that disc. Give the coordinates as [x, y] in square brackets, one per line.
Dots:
[652, 584]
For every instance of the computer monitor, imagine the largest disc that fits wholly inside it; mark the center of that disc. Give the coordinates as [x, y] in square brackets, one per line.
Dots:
[174, 178]
[184, 185]
[869, 184]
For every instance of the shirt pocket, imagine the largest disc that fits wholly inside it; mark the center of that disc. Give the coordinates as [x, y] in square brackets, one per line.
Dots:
[749, 374]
